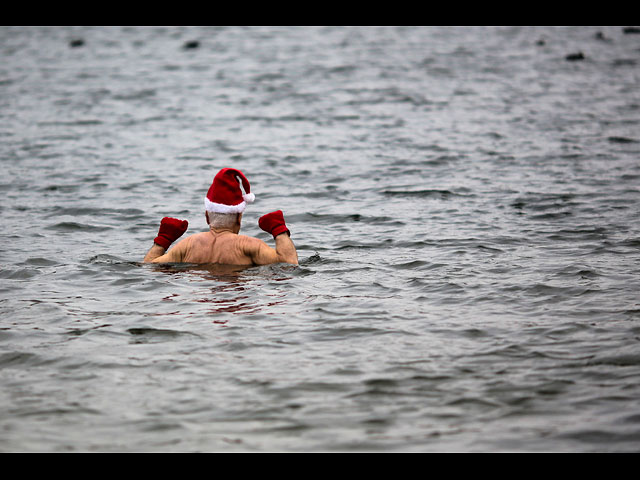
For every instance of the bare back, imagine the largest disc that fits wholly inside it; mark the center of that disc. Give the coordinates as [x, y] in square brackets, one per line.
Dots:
[225, 248]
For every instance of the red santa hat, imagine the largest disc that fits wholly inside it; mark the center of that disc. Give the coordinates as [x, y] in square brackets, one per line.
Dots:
[230, 192]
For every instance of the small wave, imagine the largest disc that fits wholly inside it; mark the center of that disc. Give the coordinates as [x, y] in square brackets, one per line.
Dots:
[12, 359]
[74, 123]
[412, 265]
[137, 95]
[622, 140]
[631, 359]
[602, 437]
[108, 259]
[40, 262]
[78, 227]
[19, 274]
[118, 213]
[316, 259]
[579, 233]
[579, 271]
[353, 244]
[341, 219]
[61, 188]
[551, 216]
[155, 335]
[387, 95]
[544, 201]
[428, 193]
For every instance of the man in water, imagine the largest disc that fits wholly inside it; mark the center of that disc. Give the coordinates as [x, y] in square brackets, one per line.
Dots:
[224, 204]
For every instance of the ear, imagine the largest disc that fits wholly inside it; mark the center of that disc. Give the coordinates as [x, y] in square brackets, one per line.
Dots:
[206, 214]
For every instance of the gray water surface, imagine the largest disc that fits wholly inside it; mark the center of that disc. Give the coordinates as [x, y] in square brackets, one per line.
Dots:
[465, 204]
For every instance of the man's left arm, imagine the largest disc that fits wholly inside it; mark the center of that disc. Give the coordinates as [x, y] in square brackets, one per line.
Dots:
[170, 230]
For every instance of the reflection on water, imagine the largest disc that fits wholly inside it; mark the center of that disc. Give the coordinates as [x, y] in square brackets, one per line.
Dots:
[230, 288]
[206, 271]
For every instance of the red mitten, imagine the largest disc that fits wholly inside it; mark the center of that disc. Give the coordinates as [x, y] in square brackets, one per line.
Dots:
[273, 223]
[170, 230]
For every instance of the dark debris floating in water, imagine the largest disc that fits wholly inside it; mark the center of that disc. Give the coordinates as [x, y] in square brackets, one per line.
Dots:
[191, 45]
[572, 57]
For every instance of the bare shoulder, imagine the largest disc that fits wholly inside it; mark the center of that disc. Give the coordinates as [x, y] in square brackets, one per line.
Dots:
[194, 248]
[250, 243]
[258, 251]
[197, 238]
[180, 251]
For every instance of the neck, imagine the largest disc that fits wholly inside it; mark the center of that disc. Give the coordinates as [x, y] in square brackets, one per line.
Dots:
[218, 231]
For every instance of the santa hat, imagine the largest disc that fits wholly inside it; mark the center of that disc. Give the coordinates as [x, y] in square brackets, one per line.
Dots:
[230, 192]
